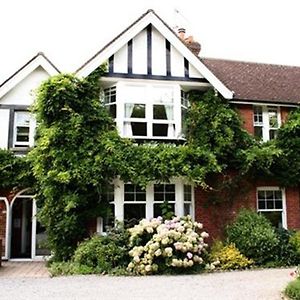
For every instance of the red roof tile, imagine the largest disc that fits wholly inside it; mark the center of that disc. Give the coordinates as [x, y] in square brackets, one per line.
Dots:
[258, 82]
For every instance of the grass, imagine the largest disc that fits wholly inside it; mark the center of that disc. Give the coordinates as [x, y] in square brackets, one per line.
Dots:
[293, 290]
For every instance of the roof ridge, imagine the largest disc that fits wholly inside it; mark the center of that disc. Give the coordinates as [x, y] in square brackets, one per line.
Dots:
[247, 62]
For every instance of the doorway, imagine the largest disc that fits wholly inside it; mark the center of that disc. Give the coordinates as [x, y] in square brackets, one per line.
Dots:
[21, 228]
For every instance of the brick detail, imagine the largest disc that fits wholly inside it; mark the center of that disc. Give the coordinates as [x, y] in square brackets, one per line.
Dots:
[246, 113]
[215, 217]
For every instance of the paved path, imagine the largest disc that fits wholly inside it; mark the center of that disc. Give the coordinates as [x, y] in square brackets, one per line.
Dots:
[260, 284]
[23, 269]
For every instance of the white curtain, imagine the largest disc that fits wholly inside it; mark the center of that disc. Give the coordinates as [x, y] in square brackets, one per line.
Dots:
[127, 125]
[128, 110]
[171, 127]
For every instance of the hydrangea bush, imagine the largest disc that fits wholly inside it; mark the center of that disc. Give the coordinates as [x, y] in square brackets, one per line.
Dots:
[159, 245]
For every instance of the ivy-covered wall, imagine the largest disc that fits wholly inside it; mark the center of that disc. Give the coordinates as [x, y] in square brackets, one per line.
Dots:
[78, 151]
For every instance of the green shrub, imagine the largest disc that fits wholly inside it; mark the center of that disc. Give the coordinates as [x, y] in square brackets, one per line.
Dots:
[293, 289]
[229, 257]
[103, 253]
[254, 236]
[69, 268]
[288, 253]
[295, 241]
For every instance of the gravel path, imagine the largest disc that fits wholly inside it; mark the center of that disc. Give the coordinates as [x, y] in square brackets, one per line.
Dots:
[259, 284]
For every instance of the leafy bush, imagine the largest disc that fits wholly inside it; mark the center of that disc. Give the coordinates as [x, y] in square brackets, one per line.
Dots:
[69, 268]
[254, 236]
[103, 253]
[293, 289]
[229, 257]
[288, 250]
[295, 241]
[160, 246]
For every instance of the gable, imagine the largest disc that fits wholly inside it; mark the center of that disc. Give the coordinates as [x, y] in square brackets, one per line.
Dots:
[150, 53]
[150, 48]
[23, 92]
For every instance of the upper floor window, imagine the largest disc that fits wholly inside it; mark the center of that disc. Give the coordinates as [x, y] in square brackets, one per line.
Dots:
[110, 99]
[266, 120]
[146, 110]
[184, 107]
[23, 133]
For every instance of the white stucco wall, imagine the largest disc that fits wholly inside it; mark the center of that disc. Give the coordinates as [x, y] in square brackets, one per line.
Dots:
[4, 124]
[23, 92]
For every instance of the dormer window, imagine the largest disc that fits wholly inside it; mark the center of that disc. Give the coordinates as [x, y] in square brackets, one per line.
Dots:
[266, 121]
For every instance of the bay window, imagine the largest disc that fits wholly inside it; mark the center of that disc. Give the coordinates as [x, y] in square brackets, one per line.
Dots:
[132, 203]
[266, 121]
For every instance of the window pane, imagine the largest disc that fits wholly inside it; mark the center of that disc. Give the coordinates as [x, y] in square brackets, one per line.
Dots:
[275, 217]
[135, 110]
[258, 132]
[273, 117]
[140, 196]
[278, 204]
[41, 240]
[139, 129]
[170, 188]
[257, 115]
[133, 213]
[261, 204]
[112, 109]
[187, 209]
[22, 118]
[187, 197]
[22, 134]
[158, 188]
[170, 196]
[163, 112]
[159, 197]
[261, 195]
[109, 218]
[278, 194]
[158, 209]
[270, 204]
[273, 134]
[129, 197]
[160, 129]
[269, 195]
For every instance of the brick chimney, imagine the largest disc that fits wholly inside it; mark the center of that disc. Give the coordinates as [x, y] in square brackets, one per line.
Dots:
[189, 41]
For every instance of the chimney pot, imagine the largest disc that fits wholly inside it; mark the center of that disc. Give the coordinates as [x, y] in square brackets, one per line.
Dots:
[181, 33]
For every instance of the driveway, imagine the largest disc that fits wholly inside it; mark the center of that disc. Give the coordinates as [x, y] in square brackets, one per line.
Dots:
[258, 284]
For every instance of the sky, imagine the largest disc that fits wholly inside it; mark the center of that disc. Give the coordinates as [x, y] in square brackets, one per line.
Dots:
[69, 32]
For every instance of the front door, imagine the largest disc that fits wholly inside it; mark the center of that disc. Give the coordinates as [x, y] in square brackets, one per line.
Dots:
[21, 233]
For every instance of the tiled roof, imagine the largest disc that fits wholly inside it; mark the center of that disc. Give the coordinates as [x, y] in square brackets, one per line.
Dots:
[258, 82]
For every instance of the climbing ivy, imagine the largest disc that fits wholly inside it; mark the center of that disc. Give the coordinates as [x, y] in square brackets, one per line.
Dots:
[78, 152]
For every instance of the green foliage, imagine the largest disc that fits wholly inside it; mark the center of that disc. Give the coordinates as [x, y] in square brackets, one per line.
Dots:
[288, 167]
[293, 290]
[15, 171]
[229, 257]
[214, 126]
[294, 241]
[69, 268]
[288, 251]
[104, 253]
[254, 236]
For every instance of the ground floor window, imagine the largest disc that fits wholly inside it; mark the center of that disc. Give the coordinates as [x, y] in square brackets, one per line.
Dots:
[271, 203]
[131, 203]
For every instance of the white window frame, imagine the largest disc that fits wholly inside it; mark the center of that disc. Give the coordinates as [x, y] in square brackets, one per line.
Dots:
[31, 126]
[149, 203]
[265, 124]
[147, 99]
[282, 210]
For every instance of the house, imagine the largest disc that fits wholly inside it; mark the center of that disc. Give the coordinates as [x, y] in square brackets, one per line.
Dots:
[150, 71]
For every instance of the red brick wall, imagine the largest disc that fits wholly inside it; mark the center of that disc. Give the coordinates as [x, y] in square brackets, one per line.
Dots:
[246, 113]
[3, 216]
[216, 216]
